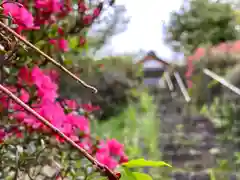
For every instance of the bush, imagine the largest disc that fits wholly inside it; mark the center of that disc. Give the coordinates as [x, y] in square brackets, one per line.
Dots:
[224, 116]
[137, 126]
[37, 125]
[114, 77]
[35, 122]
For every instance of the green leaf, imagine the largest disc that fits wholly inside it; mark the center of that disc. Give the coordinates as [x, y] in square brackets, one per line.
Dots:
[40, 43]
[73, 42]
[212, 174]
[141, 176]
[145, 163]
[78, 164]
[212, 83]
[128, 175]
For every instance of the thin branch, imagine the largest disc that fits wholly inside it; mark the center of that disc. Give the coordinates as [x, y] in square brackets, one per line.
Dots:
[182, 87]
[222, 81]
[102, 168]
[46, 56]
[168, 80]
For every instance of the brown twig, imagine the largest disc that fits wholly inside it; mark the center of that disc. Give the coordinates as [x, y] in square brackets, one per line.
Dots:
[46, 56]
[103, 169]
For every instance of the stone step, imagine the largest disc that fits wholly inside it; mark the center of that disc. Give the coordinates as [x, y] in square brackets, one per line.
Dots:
[188, 124]
[175, 146]
[191, 160]
[194, 152]
[204, 175]
[182, 155]
[171, 118]
[192, 136]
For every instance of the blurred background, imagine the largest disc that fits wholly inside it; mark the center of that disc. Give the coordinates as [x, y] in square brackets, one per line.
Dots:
[168, 74]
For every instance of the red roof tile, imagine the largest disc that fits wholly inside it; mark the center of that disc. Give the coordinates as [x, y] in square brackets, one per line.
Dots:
[232, 47]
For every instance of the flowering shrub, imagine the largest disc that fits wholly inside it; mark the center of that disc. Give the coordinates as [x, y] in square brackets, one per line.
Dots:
[27, 143]
[50, 24]
[39, 91]
[33, 140]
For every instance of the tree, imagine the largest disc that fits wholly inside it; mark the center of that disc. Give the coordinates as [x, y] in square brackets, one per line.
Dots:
[111, 23]
[201, 22]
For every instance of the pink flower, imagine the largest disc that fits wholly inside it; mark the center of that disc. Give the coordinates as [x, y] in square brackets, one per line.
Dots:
[32, 122]
[53, 112]
[96, 12]
[80, 122]
[115, 147]
[103, 148]
[111, 152]
[3, 101]
[47, 89]
[2, 135]
[123, 159]
[60, 31]
[65, 9]
[89, 107]
[87, 20]
[53, 41]
[82, 41]
[37, 75]
[61, 44]
[82, 7]
[85, 143]
[15, 132]
[71, 104]
[24, 95]
[19, 116]
[24, 76]
[21, 16]
[106, 160]
[67, 129]
[53, 74]
[48, 6]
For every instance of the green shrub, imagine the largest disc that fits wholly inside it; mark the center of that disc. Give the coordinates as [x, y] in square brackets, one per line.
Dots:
[137, 127]
[114, 77]
[225, 117]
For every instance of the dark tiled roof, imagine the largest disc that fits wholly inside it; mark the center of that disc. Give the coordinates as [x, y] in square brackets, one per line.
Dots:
[152, 55]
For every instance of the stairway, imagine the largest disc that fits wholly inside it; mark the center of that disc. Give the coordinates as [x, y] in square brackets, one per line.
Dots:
[188, 142]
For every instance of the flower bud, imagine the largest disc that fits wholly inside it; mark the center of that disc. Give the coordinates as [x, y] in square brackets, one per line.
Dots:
[87, 20]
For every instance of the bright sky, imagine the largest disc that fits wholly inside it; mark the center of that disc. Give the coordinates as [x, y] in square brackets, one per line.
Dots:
[145, 27]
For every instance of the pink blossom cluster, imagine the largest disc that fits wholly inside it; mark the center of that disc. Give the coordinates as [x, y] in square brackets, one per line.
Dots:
[189, 72]
[111, 153]
[37, 89]
[41, 14]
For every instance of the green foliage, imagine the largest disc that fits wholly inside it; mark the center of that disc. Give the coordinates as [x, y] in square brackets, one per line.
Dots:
[218, 60]
[200, 91]
[224, 115]
[135, 126]
[233, 75]
[144, 163]
[201, 22]
[137, 123]
[114, 77]
[106, 28]
[212, 175]
[136, 163]
[225, 118]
